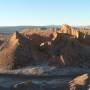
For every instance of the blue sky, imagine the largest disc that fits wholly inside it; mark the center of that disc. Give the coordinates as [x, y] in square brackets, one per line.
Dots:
[44, 12]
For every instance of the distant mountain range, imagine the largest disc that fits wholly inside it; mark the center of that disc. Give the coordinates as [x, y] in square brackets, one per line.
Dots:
[10, 29]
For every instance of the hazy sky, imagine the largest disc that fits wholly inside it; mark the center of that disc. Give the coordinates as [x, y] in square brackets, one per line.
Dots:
[44, 12]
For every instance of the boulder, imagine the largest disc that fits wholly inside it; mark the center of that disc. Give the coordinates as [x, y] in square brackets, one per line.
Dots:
[79, 83]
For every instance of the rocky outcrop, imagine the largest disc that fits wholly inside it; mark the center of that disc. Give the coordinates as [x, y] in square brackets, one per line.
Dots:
[81, 34]
[62, 48]
[80, 83]
[69, 30]
[6, 53]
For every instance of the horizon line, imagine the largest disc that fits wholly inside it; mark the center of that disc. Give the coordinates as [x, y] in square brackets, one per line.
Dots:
[40, 25]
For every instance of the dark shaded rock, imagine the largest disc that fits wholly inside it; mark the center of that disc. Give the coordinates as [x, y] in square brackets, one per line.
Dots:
[27, 85]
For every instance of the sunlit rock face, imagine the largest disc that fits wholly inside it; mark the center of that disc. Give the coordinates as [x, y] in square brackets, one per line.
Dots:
[81, 82]
[69, 30]
[62, 48]
[15, 52]
[83, 35]
[66, 29]
[7, 51]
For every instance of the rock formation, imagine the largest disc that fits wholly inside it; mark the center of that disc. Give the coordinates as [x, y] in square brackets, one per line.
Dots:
[80, 83]
[62, 48]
